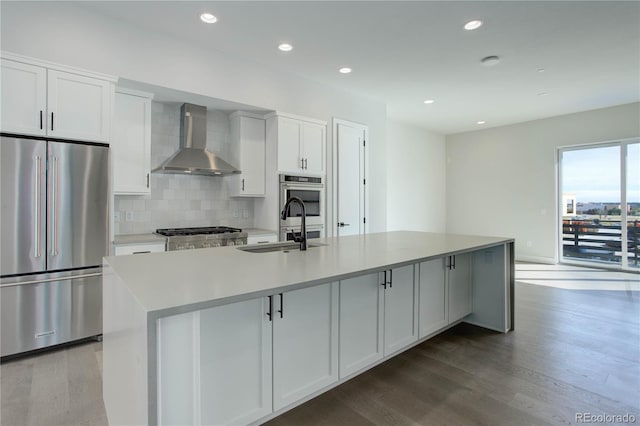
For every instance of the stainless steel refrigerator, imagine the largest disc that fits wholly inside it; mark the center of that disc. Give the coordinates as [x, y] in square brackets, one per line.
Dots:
[54, 235]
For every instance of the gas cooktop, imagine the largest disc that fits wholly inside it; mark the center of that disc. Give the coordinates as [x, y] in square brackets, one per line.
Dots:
[202, 237]
[207, 230]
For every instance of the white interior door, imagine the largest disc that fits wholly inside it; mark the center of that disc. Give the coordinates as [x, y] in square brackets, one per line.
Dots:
[349, 177]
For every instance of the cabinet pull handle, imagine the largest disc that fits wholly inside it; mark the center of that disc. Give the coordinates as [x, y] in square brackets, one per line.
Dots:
[40, 119]
[454, 262]
[448, 265]
[305, 163]
[141, 252]
[51, 121]
[302, 163]
[390, 278]
[147, 180]
[384, 281]
[281, 311]
[270, 308]
[242, 185]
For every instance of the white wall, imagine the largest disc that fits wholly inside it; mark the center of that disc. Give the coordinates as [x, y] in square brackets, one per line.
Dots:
[416, 179]
[502, 181]
[68, 34]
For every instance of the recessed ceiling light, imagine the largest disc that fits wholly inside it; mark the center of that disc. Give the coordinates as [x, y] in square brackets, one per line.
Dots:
[543, 93]
[473, 25]
[285, 47]
[345, 70]
[208, 18]
[540, 70]
[490, 61]
[481, 122]
[429, 101]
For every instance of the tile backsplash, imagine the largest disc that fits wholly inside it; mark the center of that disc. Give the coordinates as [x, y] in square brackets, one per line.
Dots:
[178, 201]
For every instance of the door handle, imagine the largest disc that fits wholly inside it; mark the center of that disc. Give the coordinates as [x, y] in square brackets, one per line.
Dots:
[384, 281]
[342, 224]
[270, 308]
[36, 196]
[390, 278]
[281, 311]
[54, 207]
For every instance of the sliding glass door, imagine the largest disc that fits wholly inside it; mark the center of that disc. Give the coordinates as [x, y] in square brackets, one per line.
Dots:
[600, 204]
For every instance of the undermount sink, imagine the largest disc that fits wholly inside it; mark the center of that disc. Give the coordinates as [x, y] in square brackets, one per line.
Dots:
[284, 247]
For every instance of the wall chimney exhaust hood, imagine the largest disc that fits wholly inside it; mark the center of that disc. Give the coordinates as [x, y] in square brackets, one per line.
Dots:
[192, 156]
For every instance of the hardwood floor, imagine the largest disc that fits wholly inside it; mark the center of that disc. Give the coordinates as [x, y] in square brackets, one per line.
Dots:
[573, 351]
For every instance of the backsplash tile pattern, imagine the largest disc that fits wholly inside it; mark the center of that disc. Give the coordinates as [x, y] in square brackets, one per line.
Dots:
[179, 200]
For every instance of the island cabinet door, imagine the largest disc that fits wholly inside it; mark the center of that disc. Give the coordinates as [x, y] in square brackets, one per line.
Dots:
[215, 365]
[305, 342]
[460, 294]
[361, 323]
[433, 310]
[400, 309]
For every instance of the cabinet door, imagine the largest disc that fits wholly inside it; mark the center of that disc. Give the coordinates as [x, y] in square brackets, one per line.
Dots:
[252, 155]
[400, 309]
[289, 140]
[235, 363]
[24, 98]
[305, 343]
[78, 107]
[131, 145]
[214, 365]
[313, 141]
[433, 297]
[460, 295]
[361, 323]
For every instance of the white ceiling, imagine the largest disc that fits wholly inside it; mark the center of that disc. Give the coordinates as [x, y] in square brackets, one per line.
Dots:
[406, 52]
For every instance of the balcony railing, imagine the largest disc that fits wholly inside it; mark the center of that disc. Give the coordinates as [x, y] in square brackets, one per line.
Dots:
[600, 240]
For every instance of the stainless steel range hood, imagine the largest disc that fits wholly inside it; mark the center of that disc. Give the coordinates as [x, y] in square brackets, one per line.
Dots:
[192, 156]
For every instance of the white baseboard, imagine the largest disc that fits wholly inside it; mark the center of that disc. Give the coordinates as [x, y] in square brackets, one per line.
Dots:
[536, 259]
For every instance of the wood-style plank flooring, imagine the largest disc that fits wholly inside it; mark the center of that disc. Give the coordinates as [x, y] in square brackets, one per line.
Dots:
[573, 351]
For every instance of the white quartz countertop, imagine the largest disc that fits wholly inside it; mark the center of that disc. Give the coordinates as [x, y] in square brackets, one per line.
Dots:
[168, 283]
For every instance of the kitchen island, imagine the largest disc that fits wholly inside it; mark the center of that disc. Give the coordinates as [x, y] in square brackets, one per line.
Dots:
[226, 336]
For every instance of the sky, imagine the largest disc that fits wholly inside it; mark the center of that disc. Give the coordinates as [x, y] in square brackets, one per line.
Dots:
[594, 174]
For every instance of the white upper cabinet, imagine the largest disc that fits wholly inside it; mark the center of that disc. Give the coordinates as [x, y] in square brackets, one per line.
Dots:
[300, 144]
[78, 107]
[131, 144]
[313, 143]
[24, 98]
[248, 132]
[43, 99]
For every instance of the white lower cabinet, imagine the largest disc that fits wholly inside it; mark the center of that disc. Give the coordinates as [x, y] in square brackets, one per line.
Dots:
[215, 365]
[305, 342]
[361, 323]
[433, 311]
[400, 309]
[460, 286]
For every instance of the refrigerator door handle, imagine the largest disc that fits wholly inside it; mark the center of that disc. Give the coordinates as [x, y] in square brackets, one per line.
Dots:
[54, 207]
[46, 280]
[36, 195]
